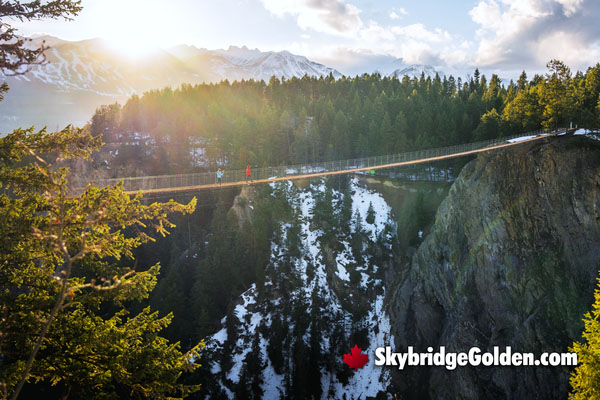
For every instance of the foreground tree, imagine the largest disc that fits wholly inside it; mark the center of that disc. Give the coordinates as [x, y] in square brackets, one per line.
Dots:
[585, 381]
[65, 288]
[65, 285]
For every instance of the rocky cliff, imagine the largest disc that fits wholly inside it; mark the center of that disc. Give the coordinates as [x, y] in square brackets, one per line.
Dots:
[511, 260]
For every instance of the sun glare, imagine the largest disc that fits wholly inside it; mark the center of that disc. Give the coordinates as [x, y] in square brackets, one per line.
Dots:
[132, 45]
[139, 28]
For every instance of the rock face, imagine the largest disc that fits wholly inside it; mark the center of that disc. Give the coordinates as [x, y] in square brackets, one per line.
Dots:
[512, 260]
[242, 205]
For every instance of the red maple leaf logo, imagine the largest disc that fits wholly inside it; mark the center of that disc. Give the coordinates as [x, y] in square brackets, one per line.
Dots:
[355, 359]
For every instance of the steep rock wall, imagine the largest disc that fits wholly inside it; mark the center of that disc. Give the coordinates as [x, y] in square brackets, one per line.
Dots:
[511, 260]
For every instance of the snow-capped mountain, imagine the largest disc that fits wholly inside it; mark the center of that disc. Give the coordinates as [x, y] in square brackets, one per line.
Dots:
[415, 71]
[238, 63]
[390, 66]
[80, 76]
[245, 63]
[94, 66]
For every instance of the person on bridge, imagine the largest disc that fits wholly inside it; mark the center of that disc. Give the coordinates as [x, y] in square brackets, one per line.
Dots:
[248, 172]
[219, 176]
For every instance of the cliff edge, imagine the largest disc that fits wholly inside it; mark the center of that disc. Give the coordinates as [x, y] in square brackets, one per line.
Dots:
[511, 260]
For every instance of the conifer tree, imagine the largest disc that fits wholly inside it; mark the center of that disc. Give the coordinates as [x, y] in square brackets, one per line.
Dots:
[356, 240]
[255, 366]
[370, 214]
[314, 356]
[277, 337]
[293, 240]
[585, 380]
[344, 216]
[554, 93]
[63, 260]
[490, 126]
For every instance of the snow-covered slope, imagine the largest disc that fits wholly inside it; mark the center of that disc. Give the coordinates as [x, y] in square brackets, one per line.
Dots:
[94, 65]
[415, 71]
[323, 299]
[244, 63]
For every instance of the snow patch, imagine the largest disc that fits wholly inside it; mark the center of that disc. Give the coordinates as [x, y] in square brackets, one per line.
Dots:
[342, 273]
[272, 381]
[362, 198]
[221, 336]
[520, 139]
[310, 270]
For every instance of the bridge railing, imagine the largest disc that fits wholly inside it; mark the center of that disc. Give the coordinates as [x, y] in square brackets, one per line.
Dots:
[146, 183]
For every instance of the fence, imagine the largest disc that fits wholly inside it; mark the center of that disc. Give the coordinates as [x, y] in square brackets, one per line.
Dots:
[165, 182]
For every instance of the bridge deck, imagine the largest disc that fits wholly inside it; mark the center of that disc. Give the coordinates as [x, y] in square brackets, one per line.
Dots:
[169, 184]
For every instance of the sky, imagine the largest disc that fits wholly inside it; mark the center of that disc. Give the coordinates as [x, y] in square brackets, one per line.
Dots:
[356, 36]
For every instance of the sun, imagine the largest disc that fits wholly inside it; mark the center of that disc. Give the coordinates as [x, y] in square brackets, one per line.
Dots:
[139, 28]
[132, 45]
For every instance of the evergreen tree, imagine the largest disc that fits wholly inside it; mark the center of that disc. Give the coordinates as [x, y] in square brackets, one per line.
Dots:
[314, 357]
[356, 240]
[323, 214]
[293, 240]
[400, 142]
[251, 378]
[220, 275]
[345, 211]
[585, 380]
[476, 77]
[299, 386]
[277, 338]
[522, 82]
[554, 93]
[490, 126]
[300, 352]
[60, 261]
[370, 214]
[340, 141]
[106, 122]
[387, 136]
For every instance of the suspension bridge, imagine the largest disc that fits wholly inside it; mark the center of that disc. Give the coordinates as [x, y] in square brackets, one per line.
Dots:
[207, 180]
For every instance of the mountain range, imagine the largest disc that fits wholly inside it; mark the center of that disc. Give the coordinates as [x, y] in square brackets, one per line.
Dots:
[80, 76]
[415, 71]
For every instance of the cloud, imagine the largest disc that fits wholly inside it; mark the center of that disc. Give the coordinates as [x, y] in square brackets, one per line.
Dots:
[336, 14]
[415, 52]
[375, 33]
[570, 7]
[398, 13]
[420, 32]
[329, 16]
[513, 34]
[528, 33]
[460, 55]
[353, 61]
[413, 43]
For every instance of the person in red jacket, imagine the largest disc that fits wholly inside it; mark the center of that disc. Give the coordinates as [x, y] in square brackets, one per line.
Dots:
[248, 172]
